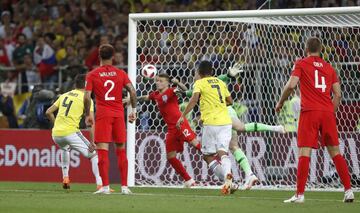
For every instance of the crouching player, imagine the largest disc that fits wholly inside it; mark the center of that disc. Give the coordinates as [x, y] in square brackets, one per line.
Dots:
[66, 133]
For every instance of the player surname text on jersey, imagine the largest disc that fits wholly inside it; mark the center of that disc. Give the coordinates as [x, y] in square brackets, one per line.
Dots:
[211, 81]
[318, 64]
[107, 74]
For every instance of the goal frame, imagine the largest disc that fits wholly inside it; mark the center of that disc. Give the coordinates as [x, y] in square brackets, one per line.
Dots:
[132, 46]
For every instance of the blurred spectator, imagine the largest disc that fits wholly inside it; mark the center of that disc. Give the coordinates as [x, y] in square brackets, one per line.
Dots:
[44, 58]
[39, 101]
[6, 27]
[7, 109]
[22, 48]
[92, 60]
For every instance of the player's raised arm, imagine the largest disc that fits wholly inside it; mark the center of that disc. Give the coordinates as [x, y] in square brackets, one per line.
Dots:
[287, 90]
[179, 84]
[130, 88]
[336, 95]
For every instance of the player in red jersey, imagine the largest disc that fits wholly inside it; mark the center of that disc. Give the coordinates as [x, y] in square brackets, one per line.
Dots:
[107, 83]
[167, 102]
[317, 81]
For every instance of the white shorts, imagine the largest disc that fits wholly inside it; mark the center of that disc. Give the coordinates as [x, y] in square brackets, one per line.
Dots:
[215, 138]
[75, 141]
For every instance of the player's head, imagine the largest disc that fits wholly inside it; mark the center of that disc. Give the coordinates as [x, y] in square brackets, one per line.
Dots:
[205, 69]
[313, 46]
[162, 81]
[80, 81]
[106, 52]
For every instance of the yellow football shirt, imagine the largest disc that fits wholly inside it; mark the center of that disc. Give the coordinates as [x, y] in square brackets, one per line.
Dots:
[213, 93]
[70, 110]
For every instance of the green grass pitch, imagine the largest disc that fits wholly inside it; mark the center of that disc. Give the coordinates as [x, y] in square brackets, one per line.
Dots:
[50, 197]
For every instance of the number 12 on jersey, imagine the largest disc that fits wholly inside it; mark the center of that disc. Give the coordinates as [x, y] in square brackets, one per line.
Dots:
[319, 85]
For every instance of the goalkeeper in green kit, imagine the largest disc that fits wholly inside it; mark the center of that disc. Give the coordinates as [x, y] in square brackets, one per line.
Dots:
[239, 126]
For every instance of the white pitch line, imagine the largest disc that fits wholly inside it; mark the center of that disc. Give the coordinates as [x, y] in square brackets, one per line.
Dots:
[169, 195]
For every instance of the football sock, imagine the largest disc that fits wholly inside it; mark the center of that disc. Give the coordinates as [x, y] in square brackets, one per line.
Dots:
[179, 168]
[65, 162]
[217, 169]
[259, 127]
[302, 174]
[226, 164]
[123, 165]
[95, 169]
[104, 165]
[342, 170]
[241, 158]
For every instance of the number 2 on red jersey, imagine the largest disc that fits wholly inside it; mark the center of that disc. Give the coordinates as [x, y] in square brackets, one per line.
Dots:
[112, 85]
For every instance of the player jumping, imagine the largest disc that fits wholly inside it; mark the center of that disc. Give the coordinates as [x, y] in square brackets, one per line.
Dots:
[167, 102]
[66, 133]
[318, 80]
[214, 97]
[239, 126]
[107, 83]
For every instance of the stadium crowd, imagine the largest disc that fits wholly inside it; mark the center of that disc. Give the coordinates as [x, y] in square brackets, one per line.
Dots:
[40, 39]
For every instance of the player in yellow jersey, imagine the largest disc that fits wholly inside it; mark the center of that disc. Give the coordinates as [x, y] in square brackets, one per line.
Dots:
[66, 133]
[216, 133]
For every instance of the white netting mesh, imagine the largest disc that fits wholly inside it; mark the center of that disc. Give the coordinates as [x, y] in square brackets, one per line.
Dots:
[268, 47]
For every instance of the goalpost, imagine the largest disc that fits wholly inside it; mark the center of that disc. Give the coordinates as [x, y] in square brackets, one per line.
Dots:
[267, 42]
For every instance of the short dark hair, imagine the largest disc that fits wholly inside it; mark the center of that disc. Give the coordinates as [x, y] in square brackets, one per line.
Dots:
[80, 81]
[164, 75]
[313, 45]
[205, 68]
[106, 51]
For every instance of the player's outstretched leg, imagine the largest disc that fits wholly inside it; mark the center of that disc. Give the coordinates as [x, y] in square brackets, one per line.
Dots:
[342, 170]
[123, 168]
[95, 170]
[79, 143]
[241, 159]
[180, 169]
[252, 127]
[65, 164]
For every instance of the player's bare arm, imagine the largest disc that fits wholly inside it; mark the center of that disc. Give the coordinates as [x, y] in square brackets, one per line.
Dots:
[192, 103]
[144, 98]
[87, 103]
[130, 88]
[229, 101]
[336, 95]
[92, 145]
[287, 91]
[50, 113]
[179, 84]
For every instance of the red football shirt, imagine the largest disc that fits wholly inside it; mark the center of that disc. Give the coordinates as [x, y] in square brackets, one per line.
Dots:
[316, 80]
[168, 105]
[107, 83]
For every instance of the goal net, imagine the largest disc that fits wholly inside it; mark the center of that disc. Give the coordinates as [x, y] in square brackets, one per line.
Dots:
[267, 43]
